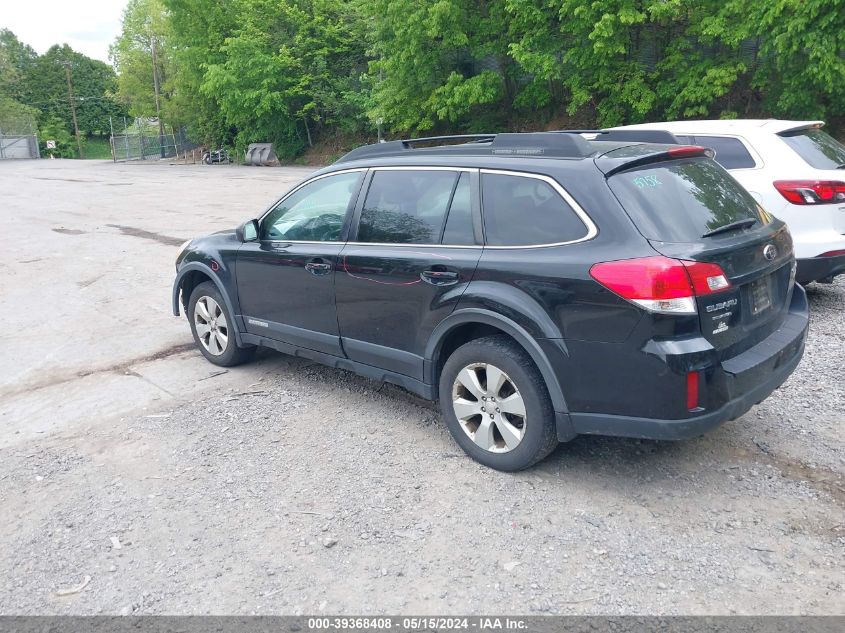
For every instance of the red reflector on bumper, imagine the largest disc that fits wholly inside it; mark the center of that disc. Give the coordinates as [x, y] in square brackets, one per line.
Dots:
[692, 390]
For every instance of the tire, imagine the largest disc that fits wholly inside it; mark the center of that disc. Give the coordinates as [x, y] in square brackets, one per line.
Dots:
[206, 159]
[214, 328]
[508, 442]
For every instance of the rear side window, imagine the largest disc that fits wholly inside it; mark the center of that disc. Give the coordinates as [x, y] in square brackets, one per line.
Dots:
[730, 152]
[406, 206]
[524, 211]
[818, 149]
[681, 200]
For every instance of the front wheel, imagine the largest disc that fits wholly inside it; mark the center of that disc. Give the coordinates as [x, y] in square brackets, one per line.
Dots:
[496, 404]
[213, 327]
[207, 159]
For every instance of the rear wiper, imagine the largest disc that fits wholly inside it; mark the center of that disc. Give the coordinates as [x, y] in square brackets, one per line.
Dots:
[747, 223]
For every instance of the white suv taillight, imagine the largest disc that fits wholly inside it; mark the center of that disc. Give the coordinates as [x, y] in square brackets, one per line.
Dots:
[661, 284]
[811, 191]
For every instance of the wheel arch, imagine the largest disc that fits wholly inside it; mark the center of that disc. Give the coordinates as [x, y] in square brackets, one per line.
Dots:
[192, 275]
[468, 324]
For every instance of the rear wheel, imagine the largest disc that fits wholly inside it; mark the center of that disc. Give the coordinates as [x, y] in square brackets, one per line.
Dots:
[213, 327]
[496, 404]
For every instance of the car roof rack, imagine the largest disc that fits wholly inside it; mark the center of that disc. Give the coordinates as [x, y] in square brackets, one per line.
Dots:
[555, 144]
[538, 144]
[541, 144]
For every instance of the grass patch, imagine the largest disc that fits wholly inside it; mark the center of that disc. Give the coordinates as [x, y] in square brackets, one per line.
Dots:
[97, 148]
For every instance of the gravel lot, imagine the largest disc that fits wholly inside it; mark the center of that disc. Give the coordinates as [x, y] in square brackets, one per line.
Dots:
[285, 487]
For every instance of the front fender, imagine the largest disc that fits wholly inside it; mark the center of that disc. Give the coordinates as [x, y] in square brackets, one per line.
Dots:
[221, 288]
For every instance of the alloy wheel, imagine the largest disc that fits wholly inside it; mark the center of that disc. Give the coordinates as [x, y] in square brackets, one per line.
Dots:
[211, 325]
[489, 407]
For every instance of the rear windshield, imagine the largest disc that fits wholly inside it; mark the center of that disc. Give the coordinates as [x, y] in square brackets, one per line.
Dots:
[681, 200]
[818, 149]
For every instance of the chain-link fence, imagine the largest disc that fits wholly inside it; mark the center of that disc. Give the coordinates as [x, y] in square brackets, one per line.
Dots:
[148, 144]
[18, 139]
[14, 146]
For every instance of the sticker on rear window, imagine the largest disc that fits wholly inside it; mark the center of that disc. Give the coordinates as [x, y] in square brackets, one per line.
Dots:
[647, 182]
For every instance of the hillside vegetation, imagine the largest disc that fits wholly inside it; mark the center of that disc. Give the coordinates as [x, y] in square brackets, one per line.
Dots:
[316, 76]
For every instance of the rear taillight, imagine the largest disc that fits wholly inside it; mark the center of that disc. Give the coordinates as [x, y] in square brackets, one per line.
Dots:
[811, 191]
[661, 284]
[706, 278]
[833, 253]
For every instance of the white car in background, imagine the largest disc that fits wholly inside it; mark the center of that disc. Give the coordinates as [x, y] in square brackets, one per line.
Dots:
[794, 169]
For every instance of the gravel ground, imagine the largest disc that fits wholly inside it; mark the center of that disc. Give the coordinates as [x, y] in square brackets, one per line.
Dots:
[314, 490]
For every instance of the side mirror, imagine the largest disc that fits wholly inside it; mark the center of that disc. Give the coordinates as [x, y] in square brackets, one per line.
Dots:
[248, 231]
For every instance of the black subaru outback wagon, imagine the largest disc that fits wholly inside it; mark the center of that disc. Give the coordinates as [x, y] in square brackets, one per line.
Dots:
[539, 285]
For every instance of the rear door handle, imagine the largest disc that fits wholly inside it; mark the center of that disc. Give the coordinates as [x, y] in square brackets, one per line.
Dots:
[318, 267]
[439, 277]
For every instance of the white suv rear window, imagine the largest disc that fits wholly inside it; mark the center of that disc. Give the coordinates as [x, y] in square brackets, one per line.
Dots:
[818, 149]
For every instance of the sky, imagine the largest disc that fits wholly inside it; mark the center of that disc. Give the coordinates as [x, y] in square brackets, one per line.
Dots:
[87, 26]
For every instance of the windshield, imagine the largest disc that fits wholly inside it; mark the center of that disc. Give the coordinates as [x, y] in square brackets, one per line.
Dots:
[682, 200]
[818, 149]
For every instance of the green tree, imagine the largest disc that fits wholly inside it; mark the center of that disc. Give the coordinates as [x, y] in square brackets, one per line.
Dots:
[145, 35]
[93, 81]
[16, 59]
[295, 71]
[283, 72]
[15, 117]
[625, 60]
[799, 65]
[438, 62]
[198, 31]
[55, 129]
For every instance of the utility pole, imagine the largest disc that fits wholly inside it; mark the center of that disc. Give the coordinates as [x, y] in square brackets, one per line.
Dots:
[380, 120]
[111, 141]
[72, 107]
[158, 102]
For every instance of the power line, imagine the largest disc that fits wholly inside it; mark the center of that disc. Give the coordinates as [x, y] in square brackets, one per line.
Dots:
[75, 98]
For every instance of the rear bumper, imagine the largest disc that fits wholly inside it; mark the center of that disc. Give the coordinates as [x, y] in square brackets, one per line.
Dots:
[817, 268]
[747, 378]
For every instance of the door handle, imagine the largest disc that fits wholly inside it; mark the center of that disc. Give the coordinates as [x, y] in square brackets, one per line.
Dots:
[318, 267]
[439, 277]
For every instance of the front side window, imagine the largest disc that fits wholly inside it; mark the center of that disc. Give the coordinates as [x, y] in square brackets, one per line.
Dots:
[523, 211]
[314, 213]
[730, 152]
[406, 206]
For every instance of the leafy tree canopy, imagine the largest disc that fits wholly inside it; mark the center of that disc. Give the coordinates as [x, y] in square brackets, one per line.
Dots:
[145, 35]
[292, 70]
[93, 85]
[296, 72]
[34, 87]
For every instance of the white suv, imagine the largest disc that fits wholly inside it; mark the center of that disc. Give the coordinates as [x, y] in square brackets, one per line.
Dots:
[794, 170]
